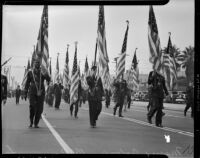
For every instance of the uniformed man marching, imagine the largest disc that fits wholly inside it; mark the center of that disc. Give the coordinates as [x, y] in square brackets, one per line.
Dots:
[50, 94]
[189, 99]
[35, 86]
[157, 83]
[120, 92]
[4, 83]
[58, 94]
[17, 94]
[95, 94]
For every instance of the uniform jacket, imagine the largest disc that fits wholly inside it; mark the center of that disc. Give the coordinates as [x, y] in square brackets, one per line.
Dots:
[18, 92]
[158, 85]
[95, 88]
[120, 91]
[58, 89]
[30, 83]
[190, 94]
[4, 83]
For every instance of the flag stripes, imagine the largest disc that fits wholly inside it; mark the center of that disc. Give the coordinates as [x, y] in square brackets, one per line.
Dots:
[121, 60]
[42, 49]
[57, 77]
[74, 80]
[169, 67]
[66, 71]
[154, 41]
[102, 69]
[134, 73]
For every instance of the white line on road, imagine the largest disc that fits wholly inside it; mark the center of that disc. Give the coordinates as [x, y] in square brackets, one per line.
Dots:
[65, 147]
[152, 125]
[10, 149]
[165, 115]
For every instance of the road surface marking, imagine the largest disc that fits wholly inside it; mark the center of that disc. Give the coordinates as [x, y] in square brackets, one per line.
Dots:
[165, 114]
[65, 147]
[10, 149]
[151, 125]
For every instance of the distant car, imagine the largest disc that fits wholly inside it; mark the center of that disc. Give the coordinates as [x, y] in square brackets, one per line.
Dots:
[135, 97]
[144, 96]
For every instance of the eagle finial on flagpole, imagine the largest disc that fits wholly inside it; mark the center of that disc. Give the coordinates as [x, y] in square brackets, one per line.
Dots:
[169, 33]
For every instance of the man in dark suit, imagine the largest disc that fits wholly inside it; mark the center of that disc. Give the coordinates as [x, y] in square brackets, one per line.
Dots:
[157, 84]
[4, 84]
[35, 86]
[189, 99]
[95, 94]
[120, 90]
[17, 94]
[58, 94]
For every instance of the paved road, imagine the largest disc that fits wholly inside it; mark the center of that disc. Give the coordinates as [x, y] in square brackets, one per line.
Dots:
[60, 133]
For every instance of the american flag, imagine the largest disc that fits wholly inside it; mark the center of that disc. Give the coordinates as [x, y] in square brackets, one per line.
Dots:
[86, 73]
[66, 71]
[102, 69]
[154, 42]
[74, 79]
[169, 67]
[42, 49]
[134, 73]
[34, 56]
[86, 70]
[25, 74]
[121, 59]
[57, 77]
[50, 69]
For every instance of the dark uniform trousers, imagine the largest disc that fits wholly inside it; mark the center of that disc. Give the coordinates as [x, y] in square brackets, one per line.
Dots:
[36, 108]
[76, 108]
[120, 105]
[95, 108]
[156, 106]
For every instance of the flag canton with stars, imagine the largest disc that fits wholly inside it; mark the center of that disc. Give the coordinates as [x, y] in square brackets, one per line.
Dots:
[134, 63]
[101, 22]
[152, 21]
[169, 48]
[125, 40]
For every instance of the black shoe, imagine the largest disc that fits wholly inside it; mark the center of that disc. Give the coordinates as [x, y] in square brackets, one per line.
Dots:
[184, 113]
[163, 114]
[76, 117]
[159, 125]
[149, 120]
[36, 126]
[30, 125]
[114, 113]
[121, 116]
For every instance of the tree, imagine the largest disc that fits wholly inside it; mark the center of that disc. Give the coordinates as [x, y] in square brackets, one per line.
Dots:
[189, 63]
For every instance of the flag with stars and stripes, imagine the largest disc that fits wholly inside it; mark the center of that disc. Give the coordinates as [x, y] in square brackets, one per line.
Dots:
[57, 76]
[74, 80]
[86, 73]
[42, 48]
[25, 74]
[134, 73]
[154, 42]
[121, 59]
[103, 68]
[50, 69]
[169, 67]
[66, 71]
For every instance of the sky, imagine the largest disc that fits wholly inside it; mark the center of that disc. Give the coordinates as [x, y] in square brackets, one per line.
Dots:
[68, 24]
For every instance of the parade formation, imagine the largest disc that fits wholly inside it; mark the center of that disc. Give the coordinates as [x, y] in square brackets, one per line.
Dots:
[95, 85]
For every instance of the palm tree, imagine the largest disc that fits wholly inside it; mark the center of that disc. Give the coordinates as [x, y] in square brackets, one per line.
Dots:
[189, 63]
